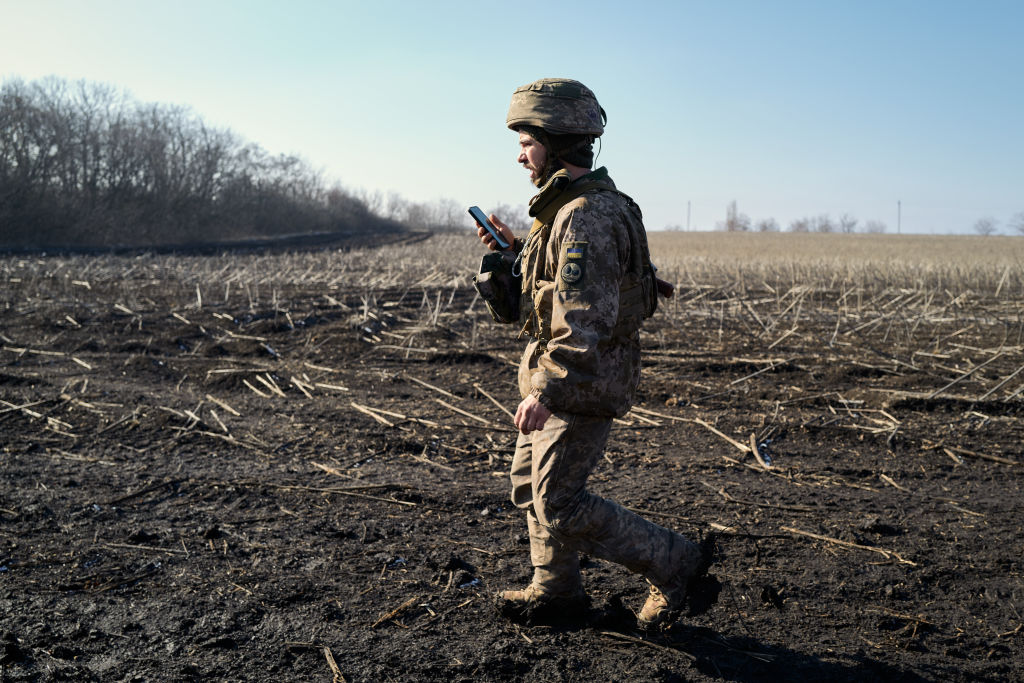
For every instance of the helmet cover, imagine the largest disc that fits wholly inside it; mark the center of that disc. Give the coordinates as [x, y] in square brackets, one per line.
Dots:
[561, 106]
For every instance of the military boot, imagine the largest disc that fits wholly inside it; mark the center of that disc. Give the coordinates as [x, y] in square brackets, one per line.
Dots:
[557, 587]
[665, 602]
[534, 604]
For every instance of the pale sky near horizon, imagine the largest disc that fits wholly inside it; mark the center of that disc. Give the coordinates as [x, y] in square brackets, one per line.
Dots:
[789, 108]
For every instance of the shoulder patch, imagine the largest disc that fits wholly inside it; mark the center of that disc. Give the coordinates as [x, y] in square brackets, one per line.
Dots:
[574, 258]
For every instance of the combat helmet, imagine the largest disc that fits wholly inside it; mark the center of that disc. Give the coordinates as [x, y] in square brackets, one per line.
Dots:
[559, 106]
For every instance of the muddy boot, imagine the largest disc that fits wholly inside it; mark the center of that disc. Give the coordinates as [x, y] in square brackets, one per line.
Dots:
[665, 602]
[557, 587]
[536, 605]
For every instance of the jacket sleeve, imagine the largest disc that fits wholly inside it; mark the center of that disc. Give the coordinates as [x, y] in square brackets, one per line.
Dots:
[589, 257]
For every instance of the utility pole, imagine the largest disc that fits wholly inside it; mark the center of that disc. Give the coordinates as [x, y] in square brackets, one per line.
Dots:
[899, 216]
[687, 215]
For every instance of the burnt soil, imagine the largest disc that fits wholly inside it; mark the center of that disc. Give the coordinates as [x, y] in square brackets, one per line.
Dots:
[224, 490]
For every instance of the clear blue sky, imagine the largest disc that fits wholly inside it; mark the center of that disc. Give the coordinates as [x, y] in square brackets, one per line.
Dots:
[790, 108]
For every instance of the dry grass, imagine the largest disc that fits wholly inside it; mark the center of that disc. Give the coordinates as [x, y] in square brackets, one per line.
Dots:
[911, 284]
[956, 263]
[260, 279]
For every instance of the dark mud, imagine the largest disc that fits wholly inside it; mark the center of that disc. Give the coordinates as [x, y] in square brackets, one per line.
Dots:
[272, 492]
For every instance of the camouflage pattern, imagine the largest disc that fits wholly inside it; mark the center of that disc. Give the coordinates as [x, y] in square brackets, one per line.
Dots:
[549, 475]
[498, 287]
[585, 356]
[560, 106]
[584, 365]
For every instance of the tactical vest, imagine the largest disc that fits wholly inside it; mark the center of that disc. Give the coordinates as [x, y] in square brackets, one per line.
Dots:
[638, 292]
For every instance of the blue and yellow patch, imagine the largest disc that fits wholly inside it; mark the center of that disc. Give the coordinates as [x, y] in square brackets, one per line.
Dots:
[571, 274]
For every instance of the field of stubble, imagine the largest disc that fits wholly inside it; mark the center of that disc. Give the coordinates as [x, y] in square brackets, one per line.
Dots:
[292, 466]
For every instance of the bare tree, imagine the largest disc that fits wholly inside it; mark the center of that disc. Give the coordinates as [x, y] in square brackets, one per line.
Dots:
[515, 217]
[83, 164]
[1017, 222]
[800, 225]
[395, 206]
[417, 215]
[824, 224]
[985, 226]
[766, 225]
[875, 227]
[448, 214]
[352, 207]
[847, 223]
[734, 220]
[373, 200]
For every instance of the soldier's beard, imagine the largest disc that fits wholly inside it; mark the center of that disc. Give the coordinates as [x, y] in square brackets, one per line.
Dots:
[544, 174]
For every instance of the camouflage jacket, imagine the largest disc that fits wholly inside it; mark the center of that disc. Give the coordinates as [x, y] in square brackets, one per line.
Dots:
[585, 354]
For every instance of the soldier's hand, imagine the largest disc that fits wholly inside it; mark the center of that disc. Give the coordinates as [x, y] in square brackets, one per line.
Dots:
[531, 415]
[490, 242]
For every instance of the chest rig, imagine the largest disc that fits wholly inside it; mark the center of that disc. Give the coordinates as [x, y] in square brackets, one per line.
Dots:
[638, 294]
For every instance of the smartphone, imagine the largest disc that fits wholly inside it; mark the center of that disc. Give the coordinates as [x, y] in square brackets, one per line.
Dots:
[480, 218]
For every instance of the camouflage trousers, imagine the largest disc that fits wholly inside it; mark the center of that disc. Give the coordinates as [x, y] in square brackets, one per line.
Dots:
[549, 476]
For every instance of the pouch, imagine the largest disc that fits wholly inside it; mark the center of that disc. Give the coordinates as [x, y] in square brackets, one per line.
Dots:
[498, 287]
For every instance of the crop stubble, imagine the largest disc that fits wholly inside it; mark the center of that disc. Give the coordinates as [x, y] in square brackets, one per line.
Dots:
[271, 466]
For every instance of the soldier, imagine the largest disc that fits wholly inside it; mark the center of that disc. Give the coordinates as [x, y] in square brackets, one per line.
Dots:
[587, 284]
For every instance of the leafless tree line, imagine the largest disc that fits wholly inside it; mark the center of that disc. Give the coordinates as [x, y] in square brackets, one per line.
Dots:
[83, 164]
[990, 226]
[440, 215]
[740, 222]
[844, 224]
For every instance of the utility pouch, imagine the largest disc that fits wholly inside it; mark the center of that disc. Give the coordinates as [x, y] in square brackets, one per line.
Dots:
[649, 285]
[498, 287]
[640, 263]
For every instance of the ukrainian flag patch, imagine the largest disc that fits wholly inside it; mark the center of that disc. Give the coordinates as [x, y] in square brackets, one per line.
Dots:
[575, 250]
[571, 274]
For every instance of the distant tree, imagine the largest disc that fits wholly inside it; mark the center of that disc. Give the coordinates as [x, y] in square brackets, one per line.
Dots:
[373, 200]
[1017, 222]
[515, 217]
[985, 226]
[875, 227]
[734, 220]
[416, 215]
[448, 214]
[823, 223]
[847, 223]
[440, 215]
[766, 225]
[84, 164]
[395, 206]
[342, 203]
[800, 225]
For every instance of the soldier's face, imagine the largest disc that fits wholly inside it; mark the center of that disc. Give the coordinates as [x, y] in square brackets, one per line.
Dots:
[532, 156]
